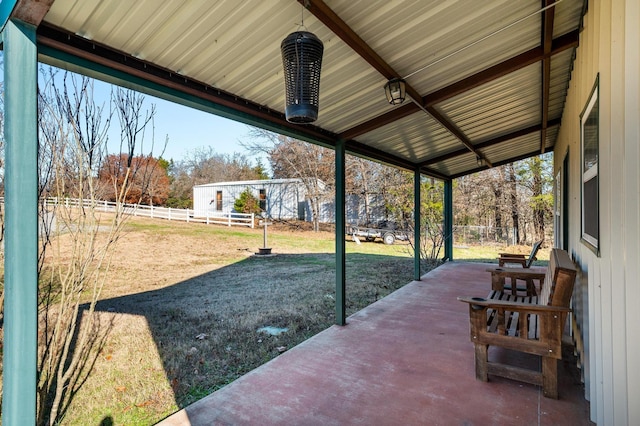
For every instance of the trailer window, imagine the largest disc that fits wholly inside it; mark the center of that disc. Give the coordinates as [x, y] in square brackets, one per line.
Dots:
[219, 201]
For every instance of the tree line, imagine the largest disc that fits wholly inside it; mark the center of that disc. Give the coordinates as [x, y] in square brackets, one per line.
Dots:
[516, 196]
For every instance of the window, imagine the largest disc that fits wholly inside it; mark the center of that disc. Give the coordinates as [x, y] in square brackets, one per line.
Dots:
[219, 201]
[589, 129]
[263, 199]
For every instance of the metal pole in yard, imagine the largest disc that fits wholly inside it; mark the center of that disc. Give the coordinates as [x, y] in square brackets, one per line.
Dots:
[264, 234]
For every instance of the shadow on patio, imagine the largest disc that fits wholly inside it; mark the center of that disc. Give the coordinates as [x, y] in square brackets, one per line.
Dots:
[406, 359]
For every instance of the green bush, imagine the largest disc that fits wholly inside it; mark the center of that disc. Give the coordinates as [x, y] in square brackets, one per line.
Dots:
[247, 203]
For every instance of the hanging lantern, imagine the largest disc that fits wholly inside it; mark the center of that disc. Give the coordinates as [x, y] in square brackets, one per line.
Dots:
[301, 59]
[395, 89]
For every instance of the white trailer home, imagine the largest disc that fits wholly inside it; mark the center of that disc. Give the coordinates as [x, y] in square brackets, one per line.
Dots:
[282, 199]
[279, 198]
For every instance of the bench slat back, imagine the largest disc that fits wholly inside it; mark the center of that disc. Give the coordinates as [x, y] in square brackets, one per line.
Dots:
[534, 252]
[557, 288]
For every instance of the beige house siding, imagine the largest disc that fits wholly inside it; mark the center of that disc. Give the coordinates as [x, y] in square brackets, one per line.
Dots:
[607, 297]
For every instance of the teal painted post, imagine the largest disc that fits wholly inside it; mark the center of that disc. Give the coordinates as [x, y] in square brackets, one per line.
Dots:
[417, 219]
[448, 220]
[341, 318]
[21, 219]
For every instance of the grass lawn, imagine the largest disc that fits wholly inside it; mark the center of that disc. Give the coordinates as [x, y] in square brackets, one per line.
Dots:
[184, 302]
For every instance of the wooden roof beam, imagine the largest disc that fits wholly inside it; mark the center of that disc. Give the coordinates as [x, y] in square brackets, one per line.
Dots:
[491, 142]
[502, 163]
[331, 20]
[455, 131]
[32, 11]
[546, 38]
[532, 56]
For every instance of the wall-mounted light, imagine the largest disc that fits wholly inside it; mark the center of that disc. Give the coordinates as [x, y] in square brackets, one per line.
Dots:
[395, 90]
[479, 161]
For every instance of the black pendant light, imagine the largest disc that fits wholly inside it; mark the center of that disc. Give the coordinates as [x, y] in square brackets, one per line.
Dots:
[302, 60]
[395, 90]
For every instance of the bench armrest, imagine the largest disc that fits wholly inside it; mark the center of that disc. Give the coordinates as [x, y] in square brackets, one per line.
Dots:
[518, 273]
[526, 327]
[512, 255]
[502, 261]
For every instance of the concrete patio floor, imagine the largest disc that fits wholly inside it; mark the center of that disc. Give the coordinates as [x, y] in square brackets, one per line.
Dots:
[406, 359]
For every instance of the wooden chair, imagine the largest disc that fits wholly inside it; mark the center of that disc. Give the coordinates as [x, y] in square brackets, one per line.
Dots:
[520, 259]
[530, 324]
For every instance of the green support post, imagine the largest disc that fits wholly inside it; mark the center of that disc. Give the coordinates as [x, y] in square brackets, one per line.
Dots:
[21, 220]
[417, 180]
[341, 318]
[448, 220]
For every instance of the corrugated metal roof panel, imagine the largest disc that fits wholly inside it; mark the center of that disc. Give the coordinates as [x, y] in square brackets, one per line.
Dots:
[568, 15]
[513, 148]
[235, 47]
[561, 66]
[512, 101]
[418, 137]
[457, 165]
[552, 136]
[413, 35]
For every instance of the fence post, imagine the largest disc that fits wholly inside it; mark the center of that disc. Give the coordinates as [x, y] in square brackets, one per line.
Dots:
[253, 219]
[229, 220]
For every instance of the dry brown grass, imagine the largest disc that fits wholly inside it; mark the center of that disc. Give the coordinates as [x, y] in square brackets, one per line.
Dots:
[185, 301]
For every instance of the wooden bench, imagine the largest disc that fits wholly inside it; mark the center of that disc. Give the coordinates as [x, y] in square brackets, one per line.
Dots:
[530, 324]
[520, 259]
[499, 275]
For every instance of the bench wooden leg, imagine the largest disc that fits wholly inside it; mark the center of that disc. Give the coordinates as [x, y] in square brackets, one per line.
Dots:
[482, 362]
[497, 282]
[531, 287]
[550, 377]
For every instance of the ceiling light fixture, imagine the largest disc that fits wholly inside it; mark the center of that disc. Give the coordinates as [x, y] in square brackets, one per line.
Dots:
[395, 89]
[386, 87]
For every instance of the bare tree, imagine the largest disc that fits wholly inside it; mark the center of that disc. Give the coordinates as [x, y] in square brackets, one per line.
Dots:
[364, 179]
[77, 240]
[512, 188]
[291, 158]
[205, 165]
[538, 178]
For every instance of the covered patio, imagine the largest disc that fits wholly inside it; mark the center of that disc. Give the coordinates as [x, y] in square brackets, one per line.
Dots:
[487, 83]
[406, 359]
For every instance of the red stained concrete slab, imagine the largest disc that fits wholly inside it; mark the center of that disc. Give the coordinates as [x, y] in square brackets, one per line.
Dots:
[406, 359]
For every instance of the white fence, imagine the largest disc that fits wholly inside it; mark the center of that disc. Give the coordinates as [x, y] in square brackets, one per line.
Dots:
[185, 215]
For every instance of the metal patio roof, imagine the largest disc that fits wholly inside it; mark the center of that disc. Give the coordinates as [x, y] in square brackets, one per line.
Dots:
[486, 79]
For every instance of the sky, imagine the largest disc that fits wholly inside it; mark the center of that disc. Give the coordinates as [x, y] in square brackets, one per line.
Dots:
[187, 129]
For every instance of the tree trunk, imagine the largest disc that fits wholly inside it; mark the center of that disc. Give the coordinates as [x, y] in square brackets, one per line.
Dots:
[538, 210]
[513, 195]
